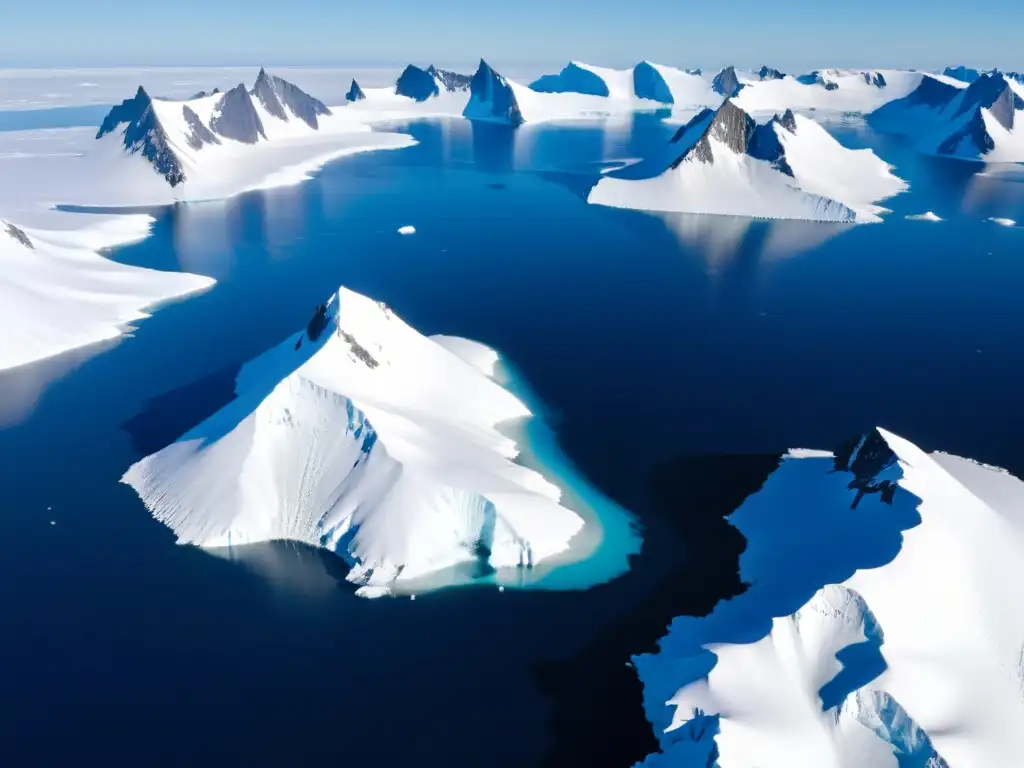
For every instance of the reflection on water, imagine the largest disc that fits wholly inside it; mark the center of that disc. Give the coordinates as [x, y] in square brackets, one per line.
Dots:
[292, 568]
[22, 387]
[720, 239]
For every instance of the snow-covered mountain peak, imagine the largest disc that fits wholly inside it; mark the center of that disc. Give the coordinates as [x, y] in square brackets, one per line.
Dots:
[422, 84]
[978, 121]
[724, 162]
[18, 235]
[359, 435]
[283, 99]
[492, 98]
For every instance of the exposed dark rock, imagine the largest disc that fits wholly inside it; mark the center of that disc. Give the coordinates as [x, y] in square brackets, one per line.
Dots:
[19, 235]
[787, 121]
[874, 78]
[355, 93]
[701, 117]
[866, 458]
[726, 83]
[696, 71]
[204, 94]
[144, 135]
[236, 117]
[450, 81]
[198, 134]
[769, 73]
[817, 78]
[358, 349]
[318, 324]
[491, 92]
[994, 93]
[932, 93]
[416, 83]
[275, 94]
[730, 125]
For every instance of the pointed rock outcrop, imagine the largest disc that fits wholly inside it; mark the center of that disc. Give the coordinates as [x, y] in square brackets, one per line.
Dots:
[491, 98]
[355, 93]
[236, 118]
[144, 135]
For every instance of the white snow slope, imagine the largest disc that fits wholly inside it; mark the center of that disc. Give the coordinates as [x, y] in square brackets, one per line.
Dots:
[367, 439]
[873, 632]
[57, 293]
[829, 182]
[852, 95]
[67, 295]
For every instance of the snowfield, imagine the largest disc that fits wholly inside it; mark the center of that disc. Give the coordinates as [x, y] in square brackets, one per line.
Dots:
[364, 437]
[57, 293]
[881, 625]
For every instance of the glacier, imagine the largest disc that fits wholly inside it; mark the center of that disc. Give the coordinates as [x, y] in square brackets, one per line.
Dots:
[980, 121]
[366, 438]
[723, 162]
[880, 625]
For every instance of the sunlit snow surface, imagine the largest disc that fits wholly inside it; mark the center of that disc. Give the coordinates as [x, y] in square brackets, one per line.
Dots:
[829, 182]
[879, 629]
[364, 437]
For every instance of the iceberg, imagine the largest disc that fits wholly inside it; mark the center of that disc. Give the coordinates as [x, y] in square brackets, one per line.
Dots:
[57, 293]
[668, 85]
[577, 77]
[980, 121]
[723, 162]
[880, 625]
[363, 437]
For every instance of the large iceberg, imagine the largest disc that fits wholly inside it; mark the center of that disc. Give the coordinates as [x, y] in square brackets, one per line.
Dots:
[364, 437]
[880, 626]
[982, 121]
[723, 162]
[646, 82]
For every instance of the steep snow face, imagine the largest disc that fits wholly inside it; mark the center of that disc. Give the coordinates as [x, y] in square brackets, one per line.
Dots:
[364, 437]
[983, 121]
[143, 134]
[881, 625]
[669, 85]
[57, 293]
[492, 98]
[577, 77]
[789, 168]
[833, 90]
[282, 99]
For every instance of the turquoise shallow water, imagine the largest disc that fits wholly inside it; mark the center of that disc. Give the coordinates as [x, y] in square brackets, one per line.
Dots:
[641, 338]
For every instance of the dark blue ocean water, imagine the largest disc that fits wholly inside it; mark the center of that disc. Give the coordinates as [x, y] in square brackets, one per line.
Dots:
[645, 337]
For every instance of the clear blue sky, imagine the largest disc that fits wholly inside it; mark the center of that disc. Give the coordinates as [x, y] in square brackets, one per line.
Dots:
[789, 34]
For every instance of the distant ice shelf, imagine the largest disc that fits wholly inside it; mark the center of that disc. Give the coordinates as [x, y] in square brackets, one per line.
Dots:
[391, 449]
[880, 626]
